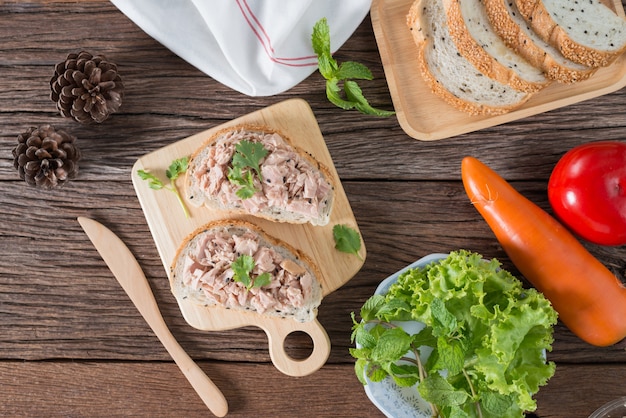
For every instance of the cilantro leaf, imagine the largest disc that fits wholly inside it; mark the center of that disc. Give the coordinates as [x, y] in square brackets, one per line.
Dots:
[154, 182]
[335, 73]
[249, 154]
[245, 162]
[242, 267]
[176, 168]
[347, 240]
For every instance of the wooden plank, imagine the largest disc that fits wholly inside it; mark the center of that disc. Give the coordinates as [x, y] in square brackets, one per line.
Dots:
[142, 389]
[60, 301]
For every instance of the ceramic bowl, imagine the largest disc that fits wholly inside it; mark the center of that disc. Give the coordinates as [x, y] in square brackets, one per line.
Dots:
[613, 409]
[395, 401]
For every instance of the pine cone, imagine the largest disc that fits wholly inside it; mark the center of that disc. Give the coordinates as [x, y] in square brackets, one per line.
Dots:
[46, 157]
[87, 88]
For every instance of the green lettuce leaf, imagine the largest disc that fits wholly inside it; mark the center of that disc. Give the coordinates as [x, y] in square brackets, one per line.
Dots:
[489, 336]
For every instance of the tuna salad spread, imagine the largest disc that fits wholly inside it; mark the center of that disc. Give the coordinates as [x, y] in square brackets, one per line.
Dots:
[289, 181]
[207, 268]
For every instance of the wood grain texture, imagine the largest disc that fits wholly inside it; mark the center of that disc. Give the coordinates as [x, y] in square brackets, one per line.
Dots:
[146, 389]
[424, 115]
[71, 342]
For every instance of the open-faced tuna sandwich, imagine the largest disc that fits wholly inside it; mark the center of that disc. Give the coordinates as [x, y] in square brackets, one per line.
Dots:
[258, 171]
[234, 264]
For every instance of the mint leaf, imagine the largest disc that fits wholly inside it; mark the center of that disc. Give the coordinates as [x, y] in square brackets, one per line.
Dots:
[347, 240]
[320, 40]
[443, 321]
[495, 403]
[450, 356]
[351, 69]
[333, 94]
[359, 370]
[376, 373]
[437, 390]
[355, 95]
[335, 73]
[371, 307]
[391, 345]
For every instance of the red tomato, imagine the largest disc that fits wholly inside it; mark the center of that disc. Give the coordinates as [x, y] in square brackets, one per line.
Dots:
[587, 191]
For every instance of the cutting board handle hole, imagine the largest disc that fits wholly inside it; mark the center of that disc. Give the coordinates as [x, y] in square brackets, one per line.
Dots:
[298, 345]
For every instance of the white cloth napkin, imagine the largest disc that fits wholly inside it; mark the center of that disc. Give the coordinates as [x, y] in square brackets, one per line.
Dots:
[257, 47]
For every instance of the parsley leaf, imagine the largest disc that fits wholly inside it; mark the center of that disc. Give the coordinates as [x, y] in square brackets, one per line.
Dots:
[335, 73]
[242, 267]
[154, 182]
[347, 240]
[245, 163]
[176, 168]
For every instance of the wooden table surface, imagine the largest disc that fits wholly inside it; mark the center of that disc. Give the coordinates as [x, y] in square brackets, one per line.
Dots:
[71, 342]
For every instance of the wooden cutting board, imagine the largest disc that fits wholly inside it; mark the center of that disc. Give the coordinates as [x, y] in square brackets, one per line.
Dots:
[169, 227]
[425, 116]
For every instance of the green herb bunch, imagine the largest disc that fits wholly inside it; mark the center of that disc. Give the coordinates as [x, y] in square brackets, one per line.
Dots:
[487, 333]
[334, 73]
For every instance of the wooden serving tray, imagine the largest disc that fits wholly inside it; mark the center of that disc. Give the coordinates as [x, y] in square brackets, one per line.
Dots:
[425, 116]
[169, 227]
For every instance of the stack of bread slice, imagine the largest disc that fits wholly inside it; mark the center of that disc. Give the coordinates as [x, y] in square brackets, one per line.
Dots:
[488, 57]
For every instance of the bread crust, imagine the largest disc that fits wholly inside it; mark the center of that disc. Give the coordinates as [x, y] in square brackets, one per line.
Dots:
[542, 23]
[197, 198]
[479, 57]
[511, 33]
[286, 250]
[422, 42]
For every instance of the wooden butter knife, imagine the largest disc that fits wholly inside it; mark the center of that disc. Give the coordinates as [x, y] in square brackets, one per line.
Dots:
[129, 274]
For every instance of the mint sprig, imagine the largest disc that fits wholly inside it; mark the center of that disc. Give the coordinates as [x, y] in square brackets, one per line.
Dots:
[176, 168]
[334, 73]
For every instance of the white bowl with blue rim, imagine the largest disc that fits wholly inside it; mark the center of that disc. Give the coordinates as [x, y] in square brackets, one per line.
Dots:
[393, 400]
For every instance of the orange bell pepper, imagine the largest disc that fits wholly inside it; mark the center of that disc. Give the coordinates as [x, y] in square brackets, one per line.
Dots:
[590, 300]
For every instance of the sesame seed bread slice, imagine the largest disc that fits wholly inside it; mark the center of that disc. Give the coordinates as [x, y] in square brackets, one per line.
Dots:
[518, 35]
[448, 74]
[480, 44]
[192, 277]
[587, 32]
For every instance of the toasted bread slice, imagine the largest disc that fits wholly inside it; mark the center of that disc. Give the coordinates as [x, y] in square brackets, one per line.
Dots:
[585, 32]
[518, 35]
[448, 73]
[480, 44]
[201, 272]
[292, 187]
